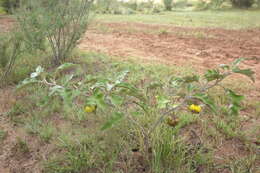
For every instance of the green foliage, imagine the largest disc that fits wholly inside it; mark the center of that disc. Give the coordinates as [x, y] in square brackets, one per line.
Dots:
[36, 19]
[3, 134]
[105, 93]
[127, 109]
[11, 47]
[168, 4]
[242, 3]
[9, 5]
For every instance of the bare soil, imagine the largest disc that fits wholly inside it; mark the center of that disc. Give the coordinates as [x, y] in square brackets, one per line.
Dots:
[201, 47]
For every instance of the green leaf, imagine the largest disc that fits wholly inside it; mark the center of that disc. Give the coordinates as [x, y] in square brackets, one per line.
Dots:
[206, 100]
[98, 98]
[116, 99]
[130, 90]
[189, 79]
[116, 117]
[236, 100]
[237, 62]
[235, 97]
[162, 101]
[120, 78]
[56, 89]
[247, 72]
[26, 82]
[224, 66]
[175, 82]
[211, 75]
[38, 71]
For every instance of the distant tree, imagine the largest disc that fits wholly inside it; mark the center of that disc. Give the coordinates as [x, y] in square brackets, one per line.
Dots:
[242, 3]
[168, 4]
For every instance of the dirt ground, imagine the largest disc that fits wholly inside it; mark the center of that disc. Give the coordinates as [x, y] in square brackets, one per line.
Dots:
[201, 48]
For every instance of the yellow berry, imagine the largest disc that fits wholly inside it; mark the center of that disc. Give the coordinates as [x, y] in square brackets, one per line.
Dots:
[195, 108]
[90, 109]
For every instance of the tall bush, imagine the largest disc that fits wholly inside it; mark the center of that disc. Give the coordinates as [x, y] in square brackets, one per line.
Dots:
[59, 22]
[168, 4]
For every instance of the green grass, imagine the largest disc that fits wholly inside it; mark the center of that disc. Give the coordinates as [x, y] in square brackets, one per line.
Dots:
[80, 145]
[2, 135]
[235, 19]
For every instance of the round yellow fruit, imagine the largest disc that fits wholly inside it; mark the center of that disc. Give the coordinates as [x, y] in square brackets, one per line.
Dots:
[195, 108]
[90, 109]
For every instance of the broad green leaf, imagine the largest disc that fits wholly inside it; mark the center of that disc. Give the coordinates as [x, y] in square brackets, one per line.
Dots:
[120, 78]
[247, 72]
[56, 89]
[116, 117]
[236, 100]
[176, 82]
[116, 99]
[162, 101]
[235, 97]
[130, 90]
[27, 82]
[38, 71]
[206, 100]
[211, 75]
[98, 98]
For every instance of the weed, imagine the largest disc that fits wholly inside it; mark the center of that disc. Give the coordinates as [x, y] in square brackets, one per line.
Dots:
[46, 132]
[3, 135]
[22, 146]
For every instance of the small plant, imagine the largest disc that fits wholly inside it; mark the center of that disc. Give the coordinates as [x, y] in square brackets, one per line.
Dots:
[3, 134]
[22, 146]
[46, 132]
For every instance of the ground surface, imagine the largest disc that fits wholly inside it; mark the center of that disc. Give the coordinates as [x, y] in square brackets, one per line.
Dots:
[164, 43]
[199, 47]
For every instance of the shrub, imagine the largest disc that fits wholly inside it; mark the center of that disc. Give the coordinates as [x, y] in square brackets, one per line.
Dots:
[61, 22]
[168, 4]
[10, 49]
[242, 3]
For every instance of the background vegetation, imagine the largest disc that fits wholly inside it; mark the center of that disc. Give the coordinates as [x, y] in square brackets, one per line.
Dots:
[82, 111]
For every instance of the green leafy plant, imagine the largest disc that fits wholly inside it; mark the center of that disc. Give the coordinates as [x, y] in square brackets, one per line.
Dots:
[120, 99]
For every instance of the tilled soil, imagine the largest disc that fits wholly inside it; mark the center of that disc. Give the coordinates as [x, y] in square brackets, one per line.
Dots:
[201, 47]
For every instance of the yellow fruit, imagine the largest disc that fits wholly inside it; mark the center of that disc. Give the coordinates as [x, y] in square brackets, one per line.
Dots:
[90, 109]
[195, 108]
[172, 121]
